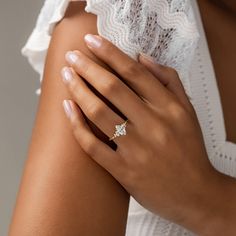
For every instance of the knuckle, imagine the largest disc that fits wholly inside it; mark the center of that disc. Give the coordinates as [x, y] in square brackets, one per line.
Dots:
[110, 86]
[131, 69]
[163, 137]
[177, 112]
[89, 145]
[160, 136]
[95, 110]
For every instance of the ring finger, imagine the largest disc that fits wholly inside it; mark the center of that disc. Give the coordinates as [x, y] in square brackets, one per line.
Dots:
[107, 84]
[93, 107]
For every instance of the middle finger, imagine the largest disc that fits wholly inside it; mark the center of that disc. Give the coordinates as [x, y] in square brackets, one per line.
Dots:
[93, 107]
[107, 84]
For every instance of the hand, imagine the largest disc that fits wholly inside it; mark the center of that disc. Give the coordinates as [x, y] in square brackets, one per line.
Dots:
[161, 161]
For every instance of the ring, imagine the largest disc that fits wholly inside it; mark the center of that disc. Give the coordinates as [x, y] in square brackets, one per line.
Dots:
[120, 130]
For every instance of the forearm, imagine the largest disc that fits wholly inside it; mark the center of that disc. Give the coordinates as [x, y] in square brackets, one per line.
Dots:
[63, 192]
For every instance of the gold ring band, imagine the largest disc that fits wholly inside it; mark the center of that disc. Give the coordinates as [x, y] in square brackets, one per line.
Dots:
[120, 130]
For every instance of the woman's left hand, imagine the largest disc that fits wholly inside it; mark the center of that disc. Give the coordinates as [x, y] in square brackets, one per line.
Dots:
[162, 160]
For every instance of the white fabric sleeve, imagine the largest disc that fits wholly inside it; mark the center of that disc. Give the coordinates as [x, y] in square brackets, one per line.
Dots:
[37, 44]
[163, 29]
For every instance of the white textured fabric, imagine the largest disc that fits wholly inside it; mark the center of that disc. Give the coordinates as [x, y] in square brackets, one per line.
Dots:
[163, 29]
[171, 32]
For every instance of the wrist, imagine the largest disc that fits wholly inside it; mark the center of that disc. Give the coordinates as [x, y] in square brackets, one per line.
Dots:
[219, 215]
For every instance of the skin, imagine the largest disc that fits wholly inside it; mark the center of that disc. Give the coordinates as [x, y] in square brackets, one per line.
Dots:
[153, 168]
[65, 164]
[228, 5]
[63, 192]
[222, 15]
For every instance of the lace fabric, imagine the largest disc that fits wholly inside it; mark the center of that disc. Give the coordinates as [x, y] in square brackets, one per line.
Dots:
[163, 29]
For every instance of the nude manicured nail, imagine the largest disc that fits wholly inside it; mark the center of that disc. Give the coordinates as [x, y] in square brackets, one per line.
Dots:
[93, 40]
[71, 57]
[67, 108]
[66, 74]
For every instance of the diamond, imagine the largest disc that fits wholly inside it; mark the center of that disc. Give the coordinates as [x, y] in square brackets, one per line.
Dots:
[120, 130]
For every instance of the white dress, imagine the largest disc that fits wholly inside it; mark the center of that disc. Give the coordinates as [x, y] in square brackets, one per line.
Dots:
[170, 31]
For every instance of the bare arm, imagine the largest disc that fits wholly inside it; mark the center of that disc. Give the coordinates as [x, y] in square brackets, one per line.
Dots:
[63, 192]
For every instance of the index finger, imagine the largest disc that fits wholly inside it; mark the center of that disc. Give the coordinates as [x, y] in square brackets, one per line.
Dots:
[133, 72]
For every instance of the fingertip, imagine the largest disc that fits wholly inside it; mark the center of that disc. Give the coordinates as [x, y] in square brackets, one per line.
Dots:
[146, 58]
[67, 54]
[93, 41]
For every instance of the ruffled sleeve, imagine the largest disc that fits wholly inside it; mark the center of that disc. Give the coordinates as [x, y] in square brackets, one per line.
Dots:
[163, 29]
[166, 30]
[36, 47]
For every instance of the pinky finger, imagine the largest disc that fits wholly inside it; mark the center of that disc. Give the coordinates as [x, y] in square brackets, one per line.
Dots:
[93, 146]
[169, 78]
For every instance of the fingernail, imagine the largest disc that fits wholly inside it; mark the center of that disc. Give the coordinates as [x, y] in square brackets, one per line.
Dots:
[146, 57]
[93, 40]
[71, 57]
[67, 108]
[66, 74]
